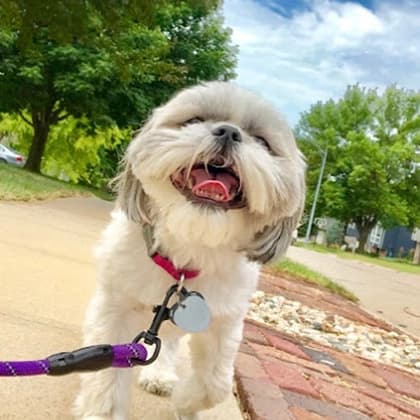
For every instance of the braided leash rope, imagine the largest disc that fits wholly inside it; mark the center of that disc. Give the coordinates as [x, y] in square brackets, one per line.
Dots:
[27, 368]
[86, 359]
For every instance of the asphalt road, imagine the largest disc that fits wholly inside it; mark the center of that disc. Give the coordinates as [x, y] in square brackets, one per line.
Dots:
[47, 276]
[387, 293]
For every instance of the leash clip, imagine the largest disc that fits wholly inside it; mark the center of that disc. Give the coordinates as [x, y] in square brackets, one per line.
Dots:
[150, 336]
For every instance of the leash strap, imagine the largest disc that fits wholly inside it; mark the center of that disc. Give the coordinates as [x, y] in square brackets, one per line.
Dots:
[82, 360]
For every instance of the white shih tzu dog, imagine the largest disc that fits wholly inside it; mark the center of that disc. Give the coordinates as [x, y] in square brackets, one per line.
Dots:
[216, 176]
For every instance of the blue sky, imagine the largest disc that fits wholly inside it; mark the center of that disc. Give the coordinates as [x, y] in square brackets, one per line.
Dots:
[298, 52]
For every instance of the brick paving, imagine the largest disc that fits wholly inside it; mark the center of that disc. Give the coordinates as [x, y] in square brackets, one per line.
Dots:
[281, 377]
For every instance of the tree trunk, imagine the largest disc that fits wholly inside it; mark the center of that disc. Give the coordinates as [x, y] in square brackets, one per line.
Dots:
[416, 258]
[364, 226]
[345, 227]
[41, 129]
[363, 237]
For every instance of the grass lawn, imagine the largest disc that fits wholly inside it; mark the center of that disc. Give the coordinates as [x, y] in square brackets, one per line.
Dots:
[19, 185]
[303, 272]
[398, 264]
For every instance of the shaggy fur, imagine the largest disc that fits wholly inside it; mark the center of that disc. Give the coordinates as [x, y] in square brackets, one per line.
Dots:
[226, 245]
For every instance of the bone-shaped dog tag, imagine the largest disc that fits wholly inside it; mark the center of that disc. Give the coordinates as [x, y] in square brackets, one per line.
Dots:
[191, 313]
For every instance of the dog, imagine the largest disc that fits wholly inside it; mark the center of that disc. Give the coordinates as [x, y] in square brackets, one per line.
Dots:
[217, 178]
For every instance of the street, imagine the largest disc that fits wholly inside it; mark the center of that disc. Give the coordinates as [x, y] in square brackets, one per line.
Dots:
[389, 294]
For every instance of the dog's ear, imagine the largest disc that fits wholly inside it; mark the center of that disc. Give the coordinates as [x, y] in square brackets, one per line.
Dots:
[272, 242]
[131, 197]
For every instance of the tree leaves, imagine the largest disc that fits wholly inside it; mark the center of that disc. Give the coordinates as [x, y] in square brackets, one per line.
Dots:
[108, 64]
[77, 19]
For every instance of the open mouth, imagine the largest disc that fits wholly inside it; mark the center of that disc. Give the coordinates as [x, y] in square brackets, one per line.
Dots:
[211, 184]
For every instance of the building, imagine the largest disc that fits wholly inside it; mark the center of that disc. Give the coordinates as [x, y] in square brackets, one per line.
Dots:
[395, 242]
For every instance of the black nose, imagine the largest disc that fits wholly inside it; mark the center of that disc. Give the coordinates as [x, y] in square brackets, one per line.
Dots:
[227, 133]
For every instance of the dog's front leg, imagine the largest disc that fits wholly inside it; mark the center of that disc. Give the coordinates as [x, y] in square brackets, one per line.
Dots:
[105, 394]
[160, 377]
[213, 354]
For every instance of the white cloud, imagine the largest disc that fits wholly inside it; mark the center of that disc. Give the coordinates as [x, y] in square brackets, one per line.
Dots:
[313, 54]
[335, 25]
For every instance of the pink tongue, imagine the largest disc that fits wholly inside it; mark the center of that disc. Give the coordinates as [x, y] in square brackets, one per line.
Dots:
[217, 187]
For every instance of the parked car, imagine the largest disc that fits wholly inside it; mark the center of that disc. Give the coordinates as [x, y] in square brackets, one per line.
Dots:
[10, 156]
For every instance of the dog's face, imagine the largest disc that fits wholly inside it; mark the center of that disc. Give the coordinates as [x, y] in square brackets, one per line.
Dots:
[218, 166]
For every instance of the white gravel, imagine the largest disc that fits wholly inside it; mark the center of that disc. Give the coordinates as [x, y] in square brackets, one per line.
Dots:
[336, 331]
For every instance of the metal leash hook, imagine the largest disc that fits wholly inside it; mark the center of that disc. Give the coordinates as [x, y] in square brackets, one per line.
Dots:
[190, 313]
[150, 336]
[101, 356]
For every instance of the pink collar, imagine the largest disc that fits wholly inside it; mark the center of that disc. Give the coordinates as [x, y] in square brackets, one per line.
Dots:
[162, 261]
[170, 268]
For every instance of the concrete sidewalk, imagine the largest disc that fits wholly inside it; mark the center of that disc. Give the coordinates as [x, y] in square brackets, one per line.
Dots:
[47, 277]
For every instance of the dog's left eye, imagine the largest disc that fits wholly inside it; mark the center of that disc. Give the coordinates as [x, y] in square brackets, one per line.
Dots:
[263, 142]
[194, 120]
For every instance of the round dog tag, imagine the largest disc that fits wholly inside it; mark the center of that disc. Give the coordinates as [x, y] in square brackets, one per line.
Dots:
[191, 313]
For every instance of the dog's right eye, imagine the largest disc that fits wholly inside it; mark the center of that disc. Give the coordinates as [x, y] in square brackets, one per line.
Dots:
[194, 120]
[261, 140]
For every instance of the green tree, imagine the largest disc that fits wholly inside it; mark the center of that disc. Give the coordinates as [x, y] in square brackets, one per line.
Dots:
[68, 19]
[372, 172]
[75, 150]
[110, 67]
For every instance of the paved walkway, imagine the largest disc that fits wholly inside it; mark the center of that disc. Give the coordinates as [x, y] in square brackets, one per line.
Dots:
[393, 295]
[282, 378]
[47, 276]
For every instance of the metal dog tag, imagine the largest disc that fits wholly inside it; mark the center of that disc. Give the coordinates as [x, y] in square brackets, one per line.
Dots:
[191, 313]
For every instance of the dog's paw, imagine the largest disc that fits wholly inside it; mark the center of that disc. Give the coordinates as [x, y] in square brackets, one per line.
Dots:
[158, 383]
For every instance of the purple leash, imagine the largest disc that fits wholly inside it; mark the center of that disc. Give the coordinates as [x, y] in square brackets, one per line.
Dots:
[100, 356]
[82, 360]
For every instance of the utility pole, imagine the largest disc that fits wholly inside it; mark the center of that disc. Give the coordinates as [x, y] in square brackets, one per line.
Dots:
[324, 154]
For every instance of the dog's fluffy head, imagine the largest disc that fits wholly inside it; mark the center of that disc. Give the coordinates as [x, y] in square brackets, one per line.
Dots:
[216, 166]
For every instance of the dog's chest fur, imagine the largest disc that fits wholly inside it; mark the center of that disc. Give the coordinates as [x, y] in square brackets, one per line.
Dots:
[226, 280]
